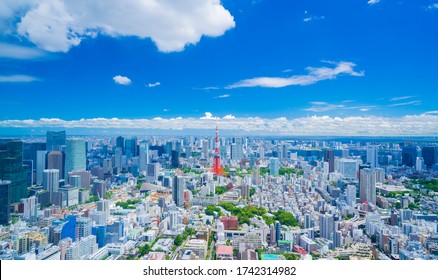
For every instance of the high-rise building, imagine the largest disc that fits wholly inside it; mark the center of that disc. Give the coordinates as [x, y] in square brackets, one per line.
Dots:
[368, 186]
[75, 156]
[120, 143]
[51, 181]
[144, 155]
[12, 169]
[430, 155]
[5, 202]
[99, 189]
[326, 226]
[131, 147]
[419, 164]
[55, 140]
[152, 170]
[351, 195]
[380, 175]
[409, 155]
[55, 160]
[178, 186]
[174, 159]
[274, 166]
[40, 166]
[347, 167]
[372, 155]
[84, 226]
[329, 156]
[118, 154]
[277, 231]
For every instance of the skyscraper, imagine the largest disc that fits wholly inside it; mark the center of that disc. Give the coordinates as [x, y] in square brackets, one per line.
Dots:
[144, 155]
[118, 153]
[12, 169]
[372, 156]
[40, 166]
[56, 160]
[380, 175]
[329, 156]
[55, 139]
[409, 155]
[347, 167]
[368, 185]
[75, 156]
[326, 226]
[351, 195]
[237, 150]
[152, 170]
[120, 143]
[51, 181]
[174, 159]
[419, 164]
[277, 231]
[178, 186]
[430, 155]
[274, 166]
[5, 202]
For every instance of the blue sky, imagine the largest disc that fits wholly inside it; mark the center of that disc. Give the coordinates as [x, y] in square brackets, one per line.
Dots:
[296, 67]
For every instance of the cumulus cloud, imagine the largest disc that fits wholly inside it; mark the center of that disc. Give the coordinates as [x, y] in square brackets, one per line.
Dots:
[424, 124]
[314, 75]
[208, 116]
[18, 79]
[122, 80]
[372, 2]
[153, 84]
[58, 25]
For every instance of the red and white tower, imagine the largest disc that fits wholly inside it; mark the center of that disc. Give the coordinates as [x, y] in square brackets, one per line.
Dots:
[217, 168]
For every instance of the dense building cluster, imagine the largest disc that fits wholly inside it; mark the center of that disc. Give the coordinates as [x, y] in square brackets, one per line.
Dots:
[156, 198]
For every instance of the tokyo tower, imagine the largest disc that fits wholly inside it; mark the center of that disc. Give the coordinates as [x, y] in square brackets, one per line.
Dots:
[217, 168]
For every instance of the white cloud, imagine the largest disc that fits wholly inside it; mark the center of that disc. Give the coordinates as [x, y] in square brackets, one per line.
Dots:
[319, 106]
[372, 2]
[153, 85]
[307, 19]
[208, 116]
[58, 25]
[223, 96]
[414, 102]
[121, 80]
[315, 75]
[18, 79]
[402, 97]
[19, 52]
[433, 6]
[424, 124]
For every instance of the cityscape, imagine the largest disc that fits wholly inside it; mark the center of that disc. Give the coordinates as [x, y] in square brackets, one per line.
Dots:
[218, 130]
[217, 198]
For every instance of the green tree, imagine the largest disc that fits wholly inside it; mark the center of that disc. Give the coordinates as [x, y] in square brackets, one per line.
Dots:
[178, 240]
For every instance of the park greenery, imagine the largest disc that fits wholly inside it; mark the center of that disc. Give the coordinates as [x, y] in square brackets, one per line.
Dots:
[108, 194]
[129, 204]
[427, 184]
[179, 239]
[220, 190]
[244, 214]
[93, 198]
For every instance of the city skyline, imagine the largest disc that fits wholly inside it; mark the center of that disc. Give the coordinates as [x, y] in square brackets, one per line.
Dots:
[326, 69]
